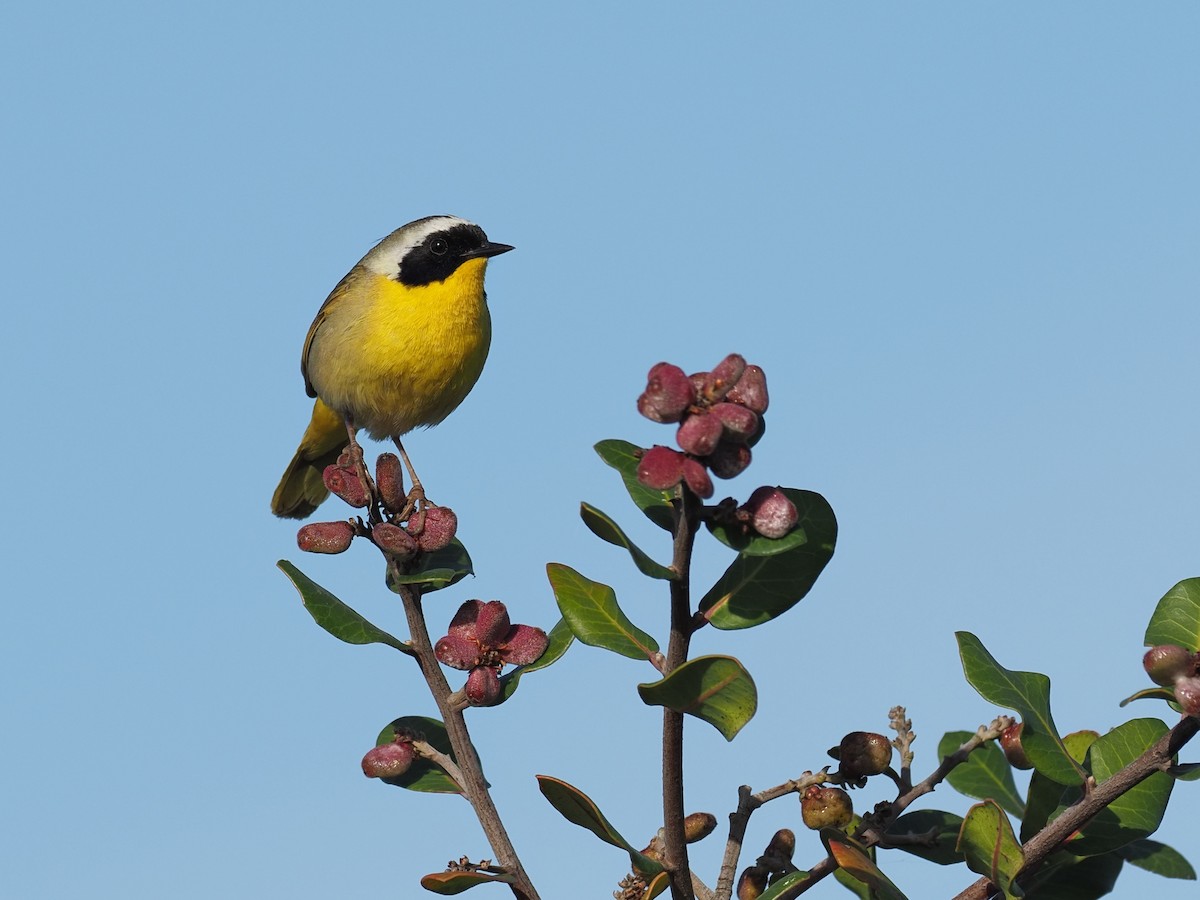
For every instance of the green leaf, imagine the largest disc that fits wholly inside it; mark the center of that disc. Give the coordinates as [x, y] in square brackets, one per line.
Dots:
[941, 830]
[1027, 693]
[753, 544]
[579, 809]
[1136, 813]
[439, 569]
[560, 639]
[780, 885]
[591, 611]
[855, 861]
[986, 775]
[1152, 693]
[1067, 877]
[423, 775]
[1176, 619]
[335, 616]
[656, 886]
[1159, 859]
[990, 847]
[446, 883]
[607, 530]
[1045, 795]
[717, 689]
[623, 456]
[756, 589]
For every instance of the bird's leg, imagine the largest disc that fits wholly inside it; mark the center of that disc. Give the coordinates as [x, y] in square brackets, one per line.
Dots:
[417, 493]
[360, 465]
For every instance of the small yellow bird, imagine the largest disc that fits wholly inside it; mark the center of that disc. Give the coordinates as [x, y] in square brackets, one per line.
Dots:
[397, 345]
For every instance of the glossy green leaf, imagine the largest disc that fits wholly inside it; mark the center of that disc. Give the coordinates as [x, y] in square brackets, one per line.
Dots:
[607, 530]
[657, 885]
[756, 545]
[990, 847]
[717, 689]
[1045, 795]
[856, 861]
[938, 829]
[447, 883]
[756, 589]
[423, 775]
[623, 456]
[438, 570]
[1028, 694]
[1176, 619]
[591, 611]
[560, 637]
[986, 775]
[1159, 859]
[579, 809]
[779, 886]
[1135, 814]
[335, 616]
[1067, 877]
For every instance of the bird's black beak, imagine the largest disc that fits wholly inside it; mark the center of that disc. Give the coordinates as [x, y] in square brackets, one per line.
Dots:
[488, 249]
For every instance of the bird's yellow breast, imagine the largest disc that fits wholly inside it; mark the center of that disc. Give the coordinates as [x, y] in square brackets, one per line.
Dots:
[396, 357]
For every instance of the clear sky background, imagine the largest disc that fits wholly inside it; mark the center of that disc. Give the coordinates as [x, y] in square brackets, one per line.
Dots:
[960, 238]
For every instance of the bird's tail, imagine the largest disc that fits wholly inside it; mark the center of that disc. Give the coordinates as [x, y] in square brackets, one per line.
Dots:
[302, 487]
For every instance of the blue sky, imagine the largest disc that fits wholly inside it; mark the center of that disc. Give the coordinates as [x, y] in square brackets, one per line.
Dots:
[960, 239]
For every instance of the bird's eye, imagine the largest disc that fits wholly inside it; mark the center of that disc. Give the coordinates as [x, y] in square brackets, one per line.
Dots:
[439, 246]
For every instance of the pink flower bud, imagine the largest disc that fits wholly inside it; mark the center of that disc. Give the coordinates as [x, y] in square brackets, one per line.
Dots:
[491, 623]
[325, 537]
[697, 478]
[457, 652]
[1014, 749]
[524, 645]
[1167, 662]
[434, 527]
[1187, 695]
[739, 423]
[723, 377]
[699, 433]
[389, 479]
[729, 459]
[751, 390]
[660, 468]
[345, 483]
[388, 760]
[668, 394]
[393, 539]
[772, 514]
[483, 686]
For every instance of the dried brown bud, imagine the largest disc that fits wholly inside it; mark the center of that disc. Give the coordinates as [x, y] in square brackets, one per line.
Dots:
[344, 482]
[1014, 751]
[699, 433]
[325, 537]
[389, 479]
[394, 540]
[668, 394]
[771, 513]
[863, 753]
[782, 846]
[1167, 662]
[698, 826]
[752, 884]
[388, 760]
[660, 468]
[751, 390]
[826, 807]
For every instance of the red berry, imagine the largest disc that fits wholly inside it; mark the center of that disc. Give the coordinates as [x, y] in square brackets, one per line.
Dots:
[388, 760]
[771, 513]
[483, 686]
[1187, 695]
[751, 390]
[699, 434]
[697, 478]
[668, 394]
[729, 459]
[723, 377]
[739, 423]
[344, 482]
[436, 528]
[1167, 662]
[393, 539]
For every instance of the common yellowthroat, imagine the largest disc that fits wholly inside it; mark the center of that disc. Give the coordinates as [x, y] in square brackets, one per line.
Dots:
[398, 344]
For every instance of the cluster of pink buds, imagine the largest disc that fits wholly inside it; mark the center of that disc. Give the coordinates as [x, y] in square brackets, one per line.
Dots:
[719, 415]
[1179, 669]
[481, 641]
[425, 530]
